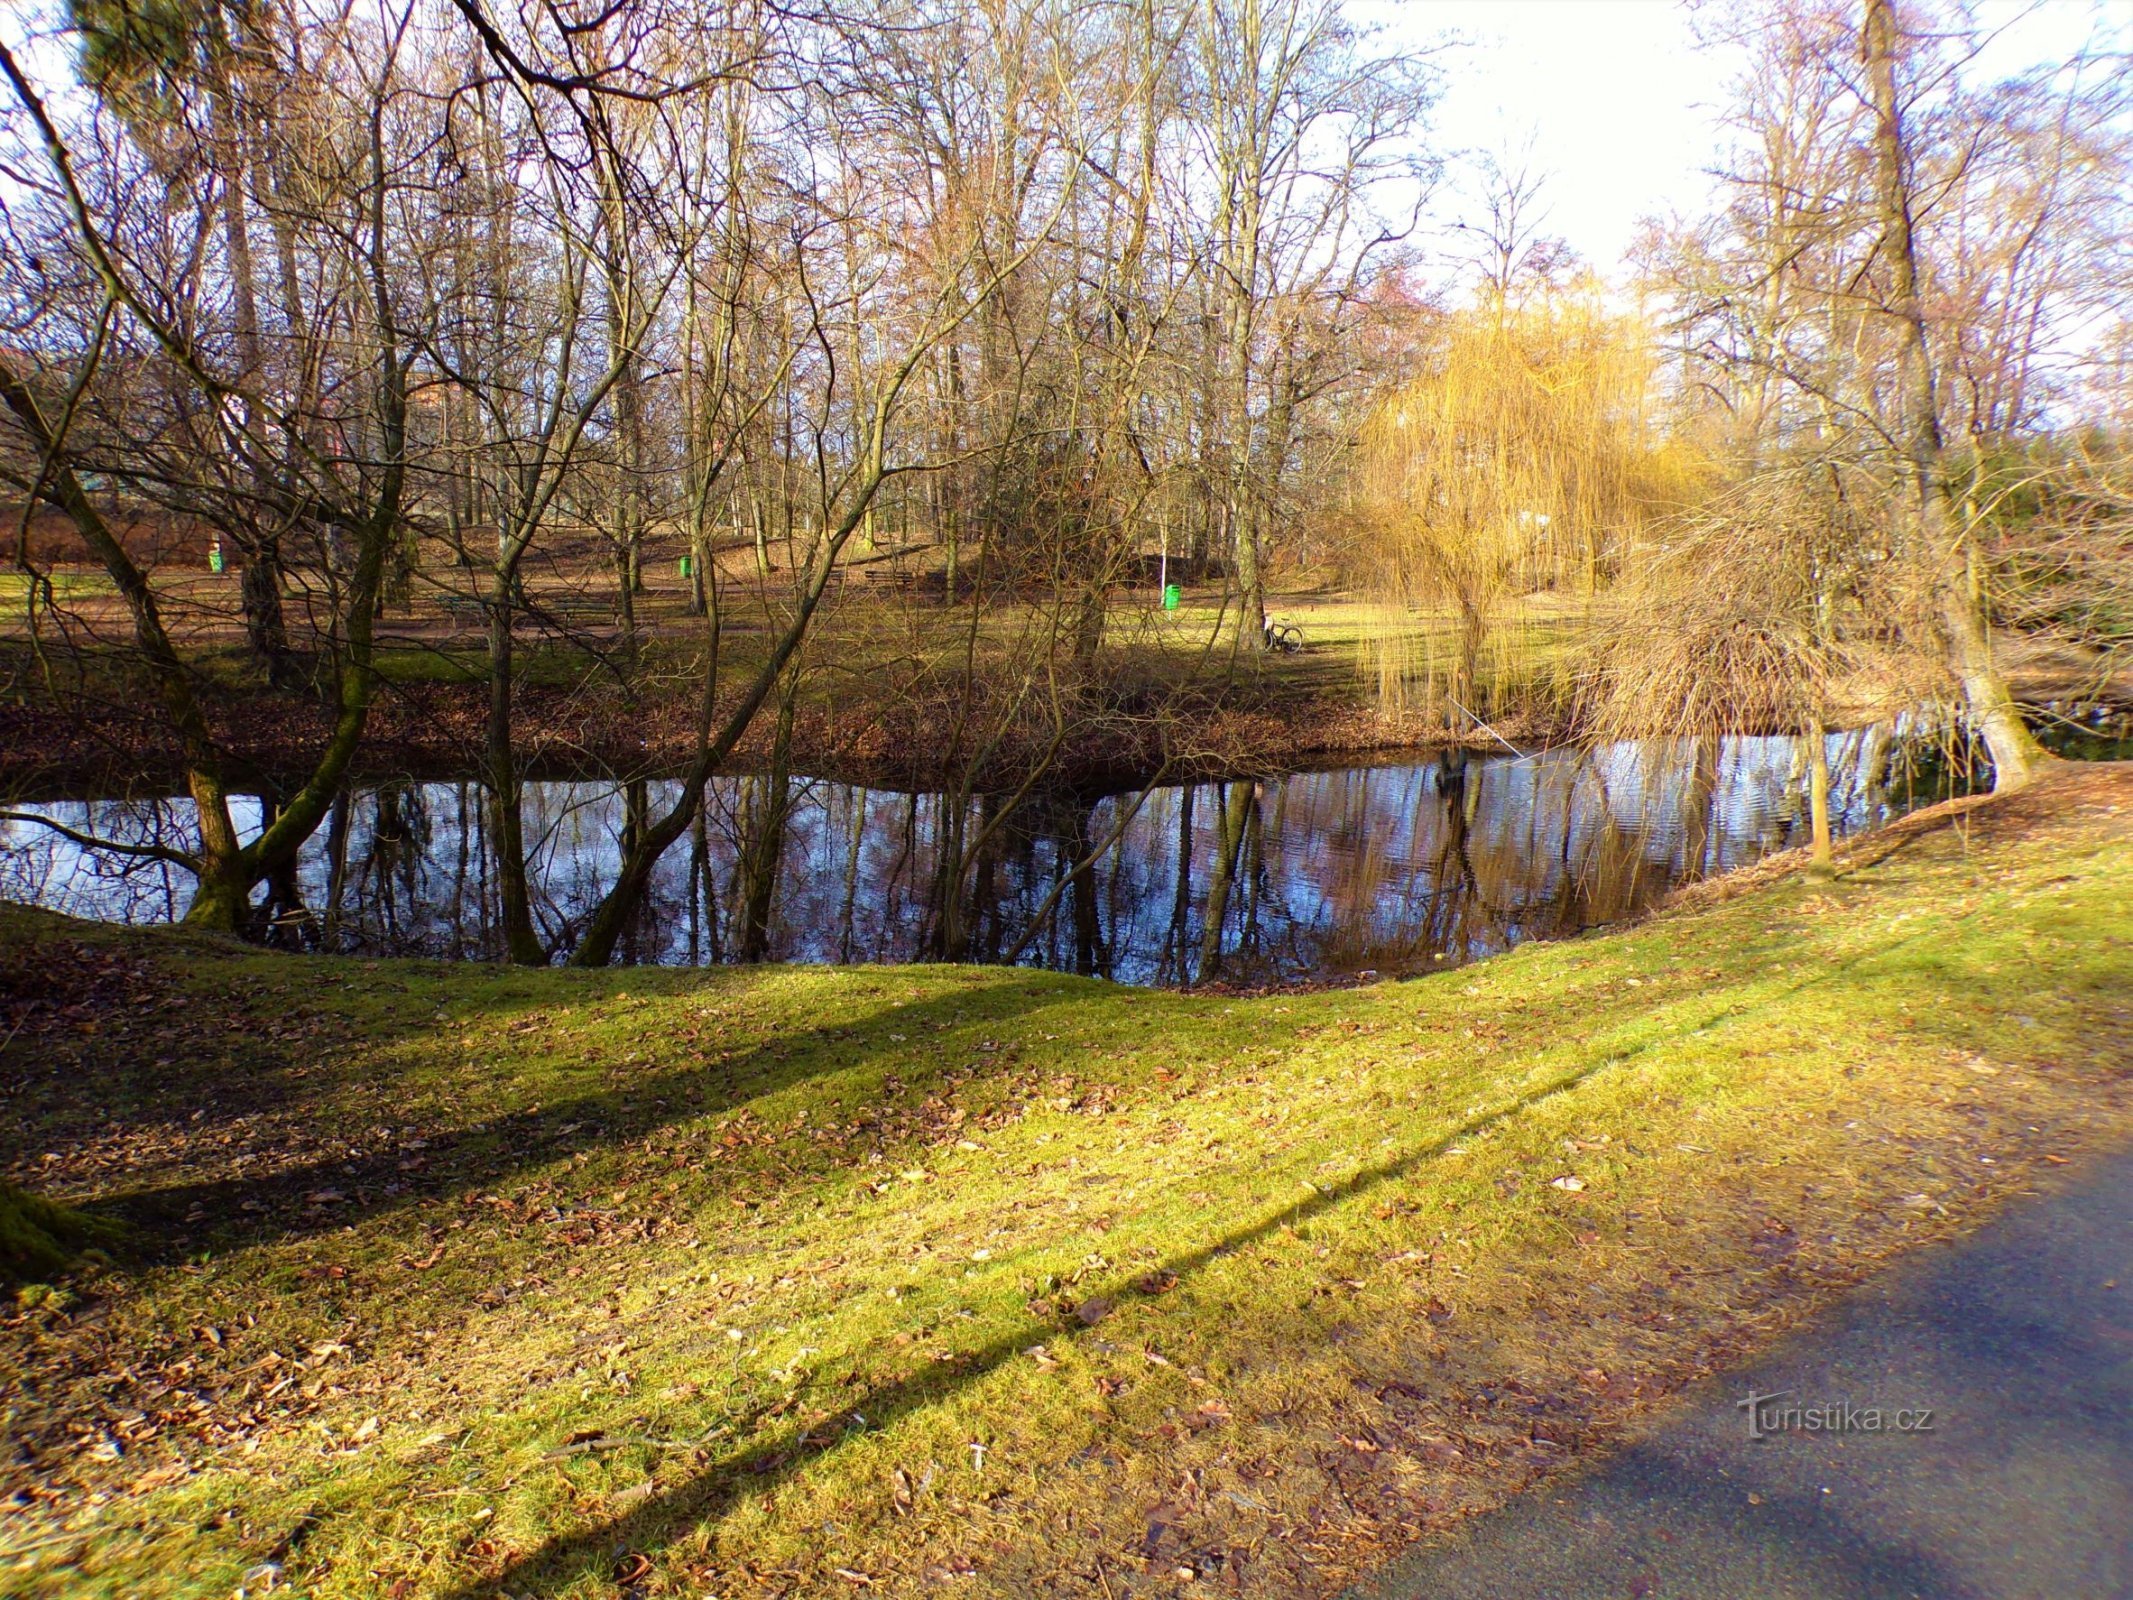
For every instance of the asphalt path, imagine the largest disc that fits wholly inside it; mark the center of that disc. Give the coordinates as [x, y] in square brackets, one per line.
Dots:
[2018, 1342]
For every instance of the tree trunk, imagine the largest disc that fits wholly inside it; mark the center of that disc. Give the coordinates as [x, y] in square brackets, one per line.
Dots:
[1089, 618]
[1947, 549]
[1698, 826]
[1821, 858]
[848, 909]
[1965, 619]
[622, 316]
[1466, 672]
[1229, 845]
[626, 593]
[1251, 586]
[265, 630]
[507, 827]
[1089, 957]
[766, 842]
[1181, 891]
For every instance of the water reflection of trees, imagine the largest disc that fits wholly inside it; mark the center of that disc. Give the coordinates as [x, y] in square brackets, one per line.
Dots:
[1398, 868]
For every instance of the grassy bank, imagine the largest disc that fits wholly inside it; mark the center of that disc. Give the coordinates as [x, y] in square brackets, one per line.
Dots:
[454, 1282]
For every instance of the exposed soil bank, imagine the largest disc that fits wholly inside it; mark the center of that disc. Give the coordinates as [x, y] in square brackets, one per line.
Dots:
[862, 728]
[425, 729]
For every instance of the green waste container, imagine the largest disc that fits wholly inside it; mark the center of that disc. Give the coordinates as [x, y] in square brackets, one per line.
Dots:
[1171, 596]
[214, 556]
[685, 566]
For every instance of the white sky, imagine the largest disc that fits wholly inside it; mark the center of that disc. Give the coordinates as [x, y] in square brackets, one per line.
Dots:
[1619, 103]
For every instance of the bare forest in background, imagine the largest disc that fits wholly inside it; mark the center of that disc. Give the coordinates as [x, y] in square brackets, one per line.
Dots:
[672, 329]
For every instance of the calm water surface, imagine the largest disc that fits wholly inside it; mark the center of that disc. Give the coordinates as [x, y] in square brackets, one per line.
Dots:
[1394, 868]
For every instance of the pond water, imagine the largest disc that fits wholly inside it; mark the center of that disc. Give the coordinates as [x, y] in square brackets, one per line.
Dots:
[1398, 868]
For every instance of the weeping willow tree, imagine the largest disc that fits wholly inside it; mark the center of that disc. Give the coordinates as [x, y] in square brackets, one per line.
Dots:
[1767, 608]
[1524, 457]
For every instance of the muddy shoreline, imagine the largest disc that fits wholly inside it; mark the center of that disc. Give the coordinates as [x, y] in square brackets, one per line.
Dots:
[432, 730]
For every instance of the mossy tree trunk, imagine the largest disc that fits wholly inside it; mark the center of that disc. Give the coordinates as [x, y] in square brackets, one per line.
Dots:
[1945, 544]
[38, 1238]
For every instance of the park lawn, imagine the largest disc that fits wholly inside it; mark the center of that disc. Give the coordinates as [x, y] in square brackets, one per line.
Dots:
[462, 1282]
[860, 633]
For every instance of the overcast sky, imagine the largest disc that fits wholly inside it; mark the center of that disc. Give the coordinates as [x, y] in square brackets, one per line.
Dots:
[1619, 103]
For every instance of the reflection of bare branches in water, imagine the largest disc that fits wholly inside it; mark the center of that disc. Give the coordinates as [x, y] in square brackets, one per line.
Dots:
[1229, 842]
[1170, 965]
[1397, 868]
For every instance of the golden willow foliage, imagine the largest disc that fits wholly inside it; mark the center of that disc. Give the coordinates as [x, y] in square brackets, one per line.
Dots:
[1522, 459]
[1771, 607]
[1763, 609]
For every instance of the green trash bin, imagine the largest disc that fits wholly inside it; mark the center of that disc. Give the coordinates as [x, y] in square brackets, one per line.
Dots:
[1171, 596]
[685, 566]
[214, 556]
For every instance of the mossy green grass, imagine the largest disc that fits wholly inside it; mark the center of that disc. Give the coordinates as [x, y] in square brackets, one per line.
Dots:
[453, 1281]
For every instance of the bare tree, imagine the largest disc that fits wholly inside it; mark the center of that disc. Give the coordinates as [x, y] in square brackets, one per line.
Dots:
[1297, 122]
[135, 392]
[1942, 540]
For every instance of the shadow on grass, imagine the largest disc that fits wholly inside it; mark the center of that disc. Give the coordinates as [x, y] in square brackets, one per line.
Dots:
[715, 1491]
[238, 1211]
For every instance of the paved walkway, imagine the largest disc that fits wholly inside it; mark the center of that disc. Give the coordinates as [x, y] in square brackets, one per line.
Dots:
[2021, 1342]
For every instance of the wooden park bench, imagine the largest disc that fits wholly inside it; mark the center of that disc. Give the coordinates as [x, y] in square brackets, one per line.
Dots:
[465, 610]
[572, 609]
[567, 610]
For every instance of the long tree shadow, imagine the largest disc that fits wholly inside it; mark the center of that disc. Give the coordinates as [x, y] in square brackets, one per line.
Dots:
[477, 1156]
[176, 1220]
[716, 1490]
[233, 1212]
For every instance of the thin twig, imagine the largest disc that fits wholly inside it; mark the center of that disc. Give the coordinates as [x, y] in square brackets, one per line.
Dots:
[1491, 732]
